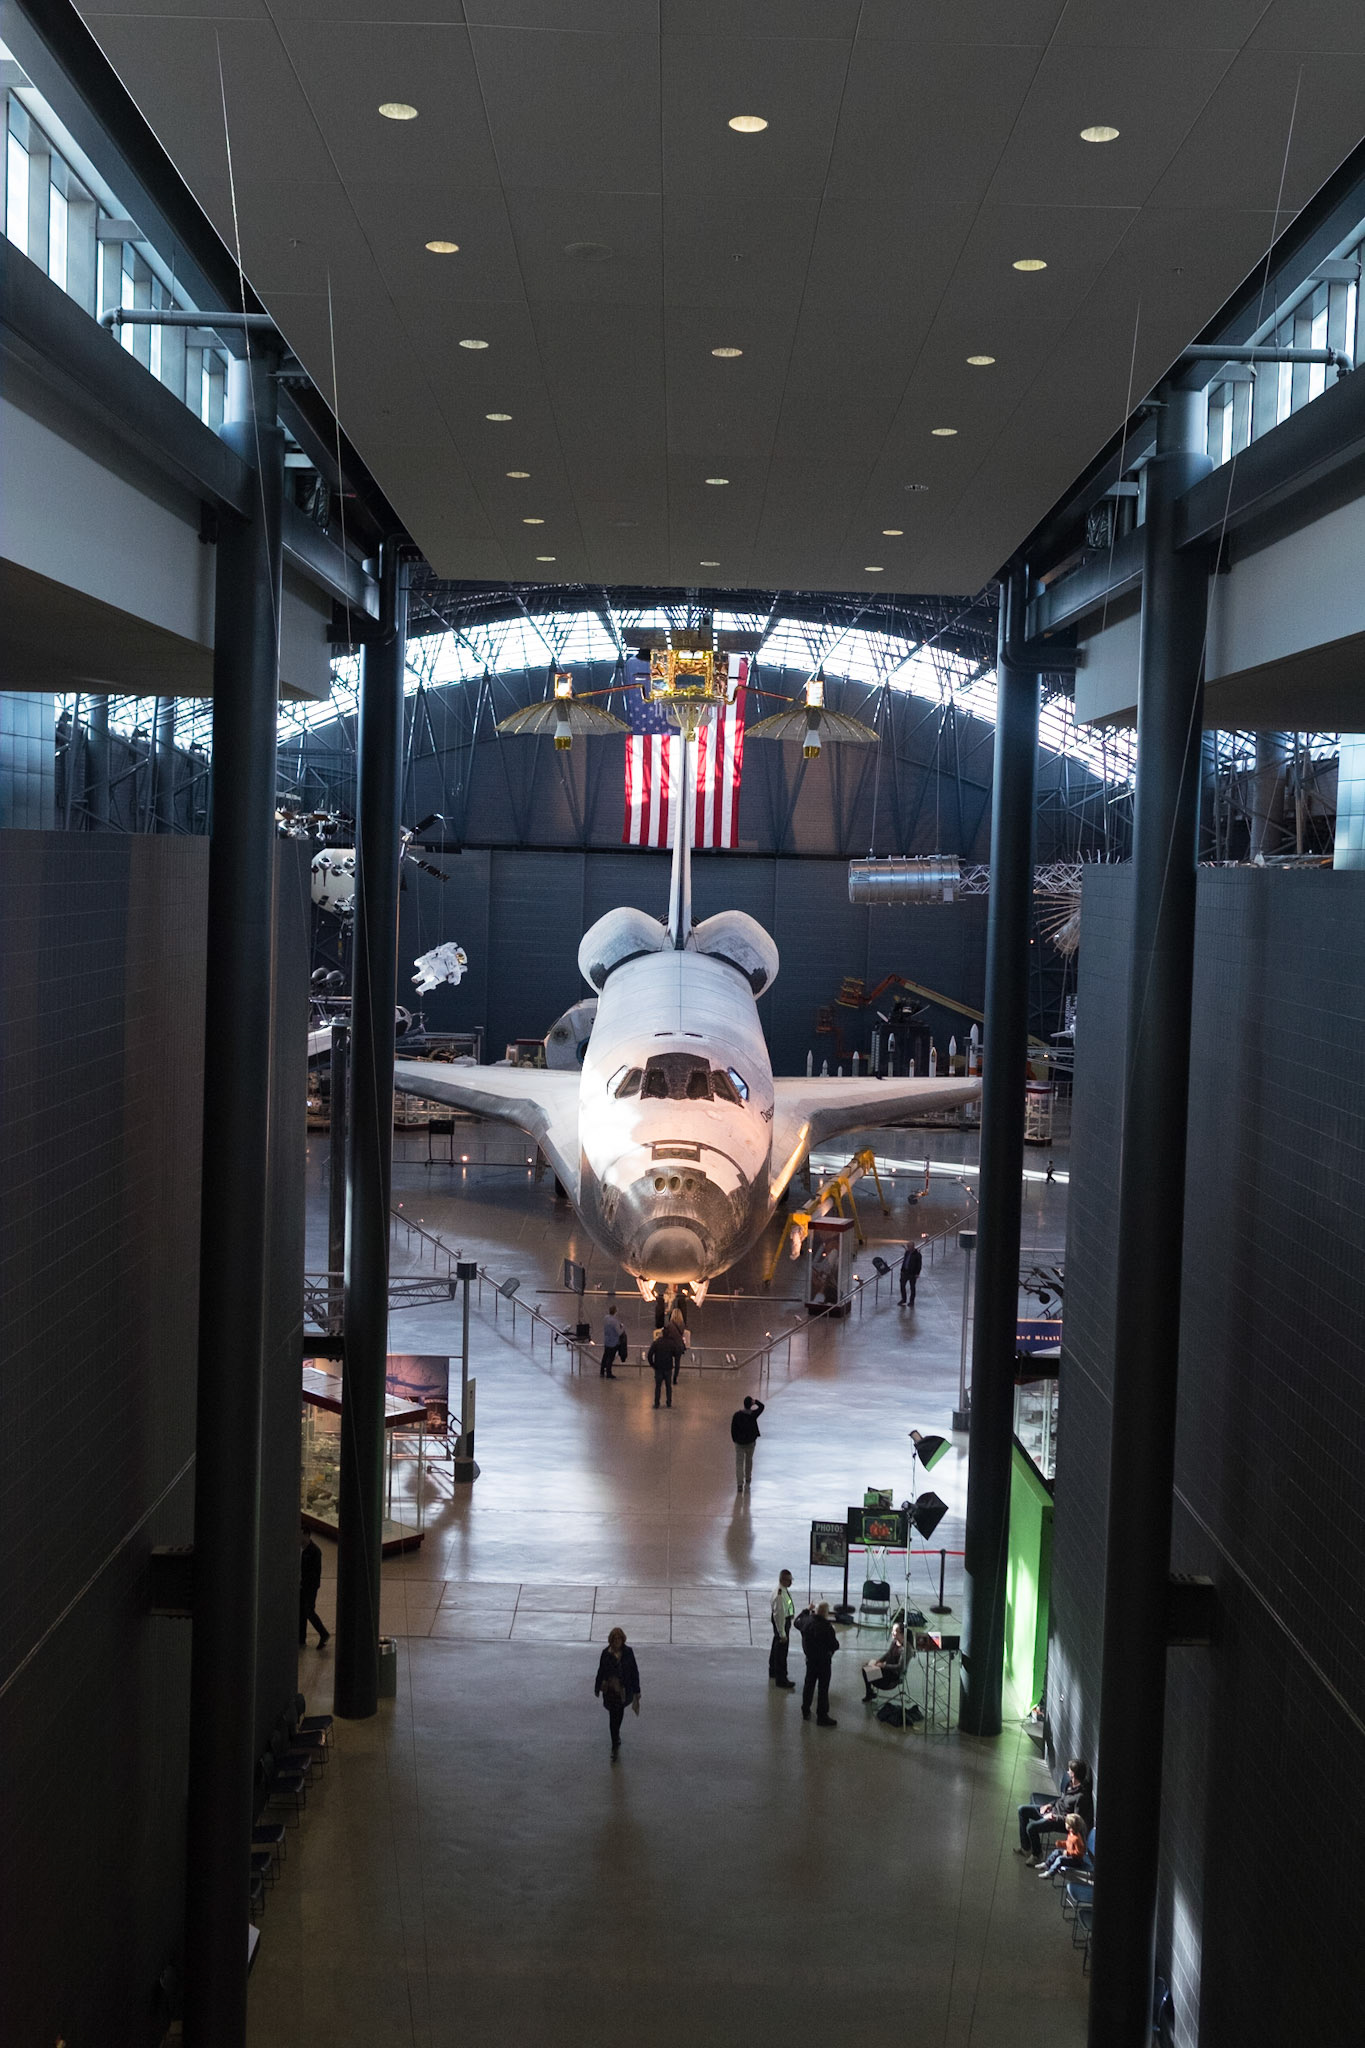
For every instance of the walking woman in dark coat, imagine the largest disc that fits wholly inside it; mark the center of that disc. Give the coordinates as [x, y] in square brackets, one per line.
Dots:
[617, 1683]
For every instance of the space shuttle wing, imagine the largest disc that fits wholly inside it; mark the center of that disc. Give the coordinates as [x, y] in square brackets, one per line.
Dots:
[541, 1103]
[812, 1109]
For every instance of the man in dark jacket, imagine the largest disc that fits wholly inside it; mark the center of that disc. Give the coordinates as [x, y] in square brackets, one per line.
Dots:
[1046, 1817]
[660, 1356]
[820, 1644]
[310, 1578]
[744, 1435]
[912, 1264]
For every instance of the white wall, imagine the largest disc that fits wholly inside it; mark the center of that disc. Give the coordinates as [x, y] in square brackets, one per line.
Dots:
[134, 545]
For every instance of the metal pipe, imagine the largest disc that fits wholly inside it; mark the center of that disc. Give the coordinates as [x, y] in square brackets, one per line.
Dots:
[933, 878]
[1001, 1177]
[1149, 1235]
[235, 1184]
[369, 1147]
[176, 316]
[1246, 352]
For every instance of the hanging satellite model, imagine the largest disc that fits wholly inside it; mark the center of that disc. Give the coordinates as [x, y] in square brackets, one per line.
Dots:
[674, 1140]
[812, 724]
[563, 714]
[333, 867]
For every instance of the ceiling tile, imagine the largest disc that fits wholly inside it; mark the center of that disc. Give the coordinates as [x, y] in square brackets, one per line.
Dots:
[737, 249]
[1152, 104]
[964, 23]
[911, 125]
[348, 69]
[616, 237]
[795, 85]
[573, 110]
[1270, 120]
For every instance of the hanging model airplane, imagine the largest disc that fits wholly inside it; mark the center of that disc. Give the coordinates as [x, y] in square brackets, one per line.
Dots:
[674, 1141]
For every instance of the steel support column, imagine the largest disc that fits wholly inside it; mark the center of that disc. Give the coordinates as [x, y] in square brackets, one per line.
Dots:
[1150, 1228]
[240, 949]
[1004, 1075]
[163, 767]
[369, 1143]
[338, 1087]
[97, 764]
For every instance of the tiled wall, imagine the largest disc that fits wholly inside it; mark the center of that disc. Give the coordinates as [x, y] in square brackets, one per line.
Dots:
[28, 760]
[101, 983]
[1270, 1447]
[101, 1028]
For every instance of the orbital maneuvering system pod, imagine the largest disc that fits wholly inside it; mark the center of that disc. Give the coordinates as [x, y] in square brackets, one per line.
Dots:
[674, 1141]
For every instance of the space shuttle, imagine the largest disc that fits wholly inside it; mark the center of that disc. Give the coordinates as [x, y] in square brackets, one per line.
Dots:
[675, 1141]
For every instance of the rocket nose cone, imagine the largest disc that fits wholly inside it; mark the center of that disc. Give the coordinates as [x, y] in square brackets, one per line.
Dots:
[673, 1253]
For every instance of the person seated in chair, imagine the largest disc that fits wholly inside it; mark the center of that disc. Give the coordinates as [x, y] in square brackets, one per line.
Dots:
[1069, 1853]
[1050, 1817]
[882, 1674]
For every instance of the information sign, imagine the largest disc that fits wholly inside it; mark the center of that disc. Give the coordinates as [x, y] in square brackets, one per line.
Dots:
[829, 1545]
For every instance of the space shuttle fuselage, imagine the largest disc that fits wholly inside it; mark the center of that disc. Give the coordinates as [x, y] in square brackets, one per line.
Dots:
[675, 1117]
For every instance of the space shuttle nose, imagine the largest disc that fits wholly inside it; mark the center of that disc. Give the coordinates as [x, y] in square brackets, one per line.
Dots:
[673, 1253]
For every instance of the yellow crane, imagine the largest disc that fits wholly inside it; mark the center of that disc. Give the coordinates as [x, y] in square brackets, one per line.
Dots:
[832, 1194]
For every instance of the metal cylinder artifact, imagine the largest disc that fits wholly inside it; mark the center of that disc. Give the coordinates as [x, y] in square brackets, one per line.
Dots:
[919, 878]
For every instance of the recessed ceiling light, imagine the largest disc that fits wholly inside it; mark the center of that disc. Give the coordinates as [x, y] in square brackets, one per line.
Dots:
[747, 124]
[533, 522]
[1030, 263]
[717, 479]
[588, 252]
[497, 415]
[444, 248]
[917, 487]
[873, 569]
[625, 522]
[943, 433]
[981, 362]
[473, 344]
[728, 353]
[520, 474]
[397, 110]
[708, 565]
[1100, 134]
[892, 532]
[545, 558]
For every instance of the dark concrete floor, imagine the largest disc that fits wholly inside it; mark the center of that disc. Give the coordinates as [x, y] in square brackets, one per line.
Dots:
[473, 1868]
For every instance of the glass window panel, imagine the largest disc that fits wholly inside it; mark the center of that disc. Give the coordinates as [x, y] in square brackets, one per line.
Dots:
[16, 193]
[56, 236]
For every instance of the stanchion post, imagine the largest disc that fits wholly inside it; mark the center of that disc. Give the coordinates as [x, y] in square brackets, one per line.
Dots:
[943, 1607]
[465, 1471]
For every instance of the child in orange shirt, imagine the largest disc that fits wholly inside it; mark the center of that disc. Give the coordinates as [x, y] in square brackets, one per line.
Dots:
[1071, 1852]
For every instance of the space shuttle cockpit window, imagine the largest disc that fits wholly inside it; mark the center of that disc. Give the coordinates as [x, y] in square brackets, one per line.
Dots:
[625, 1081]
[723, 1088]
[676, 1077]
[740, 1085]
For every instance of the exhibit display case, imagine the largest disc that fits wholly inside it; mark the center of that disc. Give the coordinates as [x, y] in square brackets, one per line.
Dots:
[405, 1458]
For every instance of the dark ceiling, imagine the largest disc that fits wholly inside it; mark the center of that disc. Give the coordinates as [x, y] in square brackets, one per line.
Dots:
[614, 231]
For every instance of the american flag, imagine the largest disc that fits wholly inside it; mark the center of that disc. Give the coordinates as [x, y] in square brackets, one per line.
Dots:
[654, 767]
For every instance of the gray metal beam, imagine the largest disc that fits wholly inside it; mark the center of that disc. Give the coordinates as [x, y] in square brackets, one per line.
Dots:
[1319, 449]
[48, 339]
